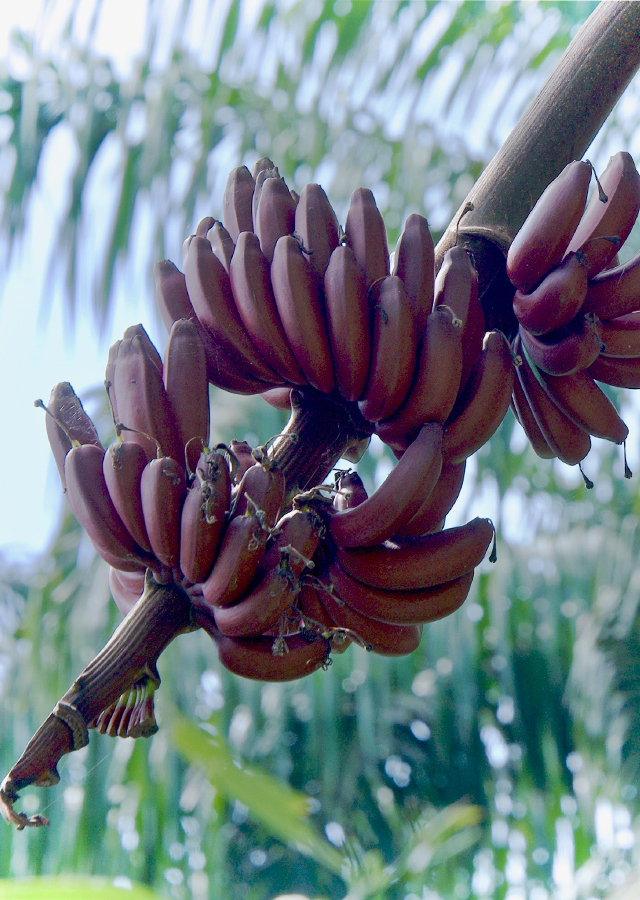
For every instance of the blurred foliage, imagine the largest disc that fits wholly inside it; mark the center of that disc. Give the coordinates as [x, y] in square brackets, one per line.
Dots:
[501, 759]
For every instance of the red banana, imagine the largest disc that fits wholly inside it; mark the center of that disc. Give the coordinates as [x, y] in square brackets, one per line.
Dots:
[126, 588]
[300, 309]
[527, 419]
[316, 225]
[424, 562]
[123, 465]
[456, 286]
[621, 336]
[301, 654]
[262, 485]
[237, 201]
[605, 226]
[393, 350]
[413, 262]
[431, 515]
[484, 401]
[556, 300]
[210, 292]
[92, 506]
[185, 381]
[401, 607]
[580, 398]
[367, 236]
[243, 453]
[568, 441]
[142, 401]
[203, 516]
[237, 561]
[547, 231]
[222, 243]
[398, 498]
[350, 491]
[275, 215]
[65, 408]
[347, 312]
[436, 383]
[615, 292]
[623, 373]
[163, 490]
[279, 398]
[253, 294]
[568, 349]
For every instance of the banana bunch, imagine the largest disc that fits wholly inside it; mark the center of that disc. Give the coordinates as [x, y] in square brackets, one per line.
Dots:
[578, 310]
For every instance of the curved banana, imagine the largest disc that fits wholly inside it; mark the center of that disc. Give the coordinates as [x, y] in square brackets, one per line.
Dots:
[423, 562]
[316, 225]
[621, 336]
[623, 373]
[126, 588]
[567, 350]
[65, 408]
[185, 381]
[93, 508]
[350, 491]
[436, 383]
[580, 398]
[484, 401]
[367, 236]
[254, 298]
[547, 231]
[123, 465]
[431, 515]
[300, 655]
[456, 286]
[393, 350]
[524, 414]
[605, 225]
[275, 215]
[163, 490]
[203, 516]
[398, 498]
[401, 607]
[413, 262]
[222, 243]
[347, 313]
[556, 300]
[237, 201]
[300, 309]
[615, 292]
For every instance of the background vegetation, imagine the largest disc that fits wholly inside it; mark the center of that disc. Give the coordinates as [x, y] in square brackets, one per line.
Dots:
[500, 760]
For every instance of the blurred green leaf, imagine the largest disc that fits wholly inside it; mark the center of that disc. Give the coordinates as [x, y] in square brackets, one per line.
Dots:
[71, 888]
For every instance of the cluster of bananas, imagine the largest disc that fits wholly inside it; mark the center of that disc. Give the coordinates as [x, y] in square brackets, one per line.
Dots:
[577, 309]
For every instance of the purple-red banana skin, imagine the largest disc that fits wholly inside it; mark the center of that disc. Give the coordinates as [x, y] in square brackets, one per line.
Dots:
[254, 657]
[123, 465]
[436, 382]
[210, 291]
[438, 504]
[547, 231]
[623, 373]
[615, 292]
[253, 294]
[163, 490]
[424, 562]
[413, 262]
[67, 409]
[347, 312]
[611, 219]
[367, 236]
[398, 498]
[556, 300]
[485, 400]
[93, 508]
[401, 607]
[203, 517]
[222, 243]
[279, 398]
[264, 486]
[243, 453]
[565, 351]
[260, 608]
[393, 350]
[580, 398]
[142, 401]
[237, 561]
[317, 227]
[350, 491]
[568, 441]
[299, 305]
[527, 419]
[276, 215]
[621, 336]
[380, 637]
[173, 303]
[139, 331]
[237, 202]
[185, 380]
[456, 286]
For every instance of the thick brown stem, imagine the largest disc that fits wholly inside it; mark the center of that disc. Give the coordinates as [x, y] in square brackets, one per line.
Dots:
[321, 428]
[163, 612]
[558, 127]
